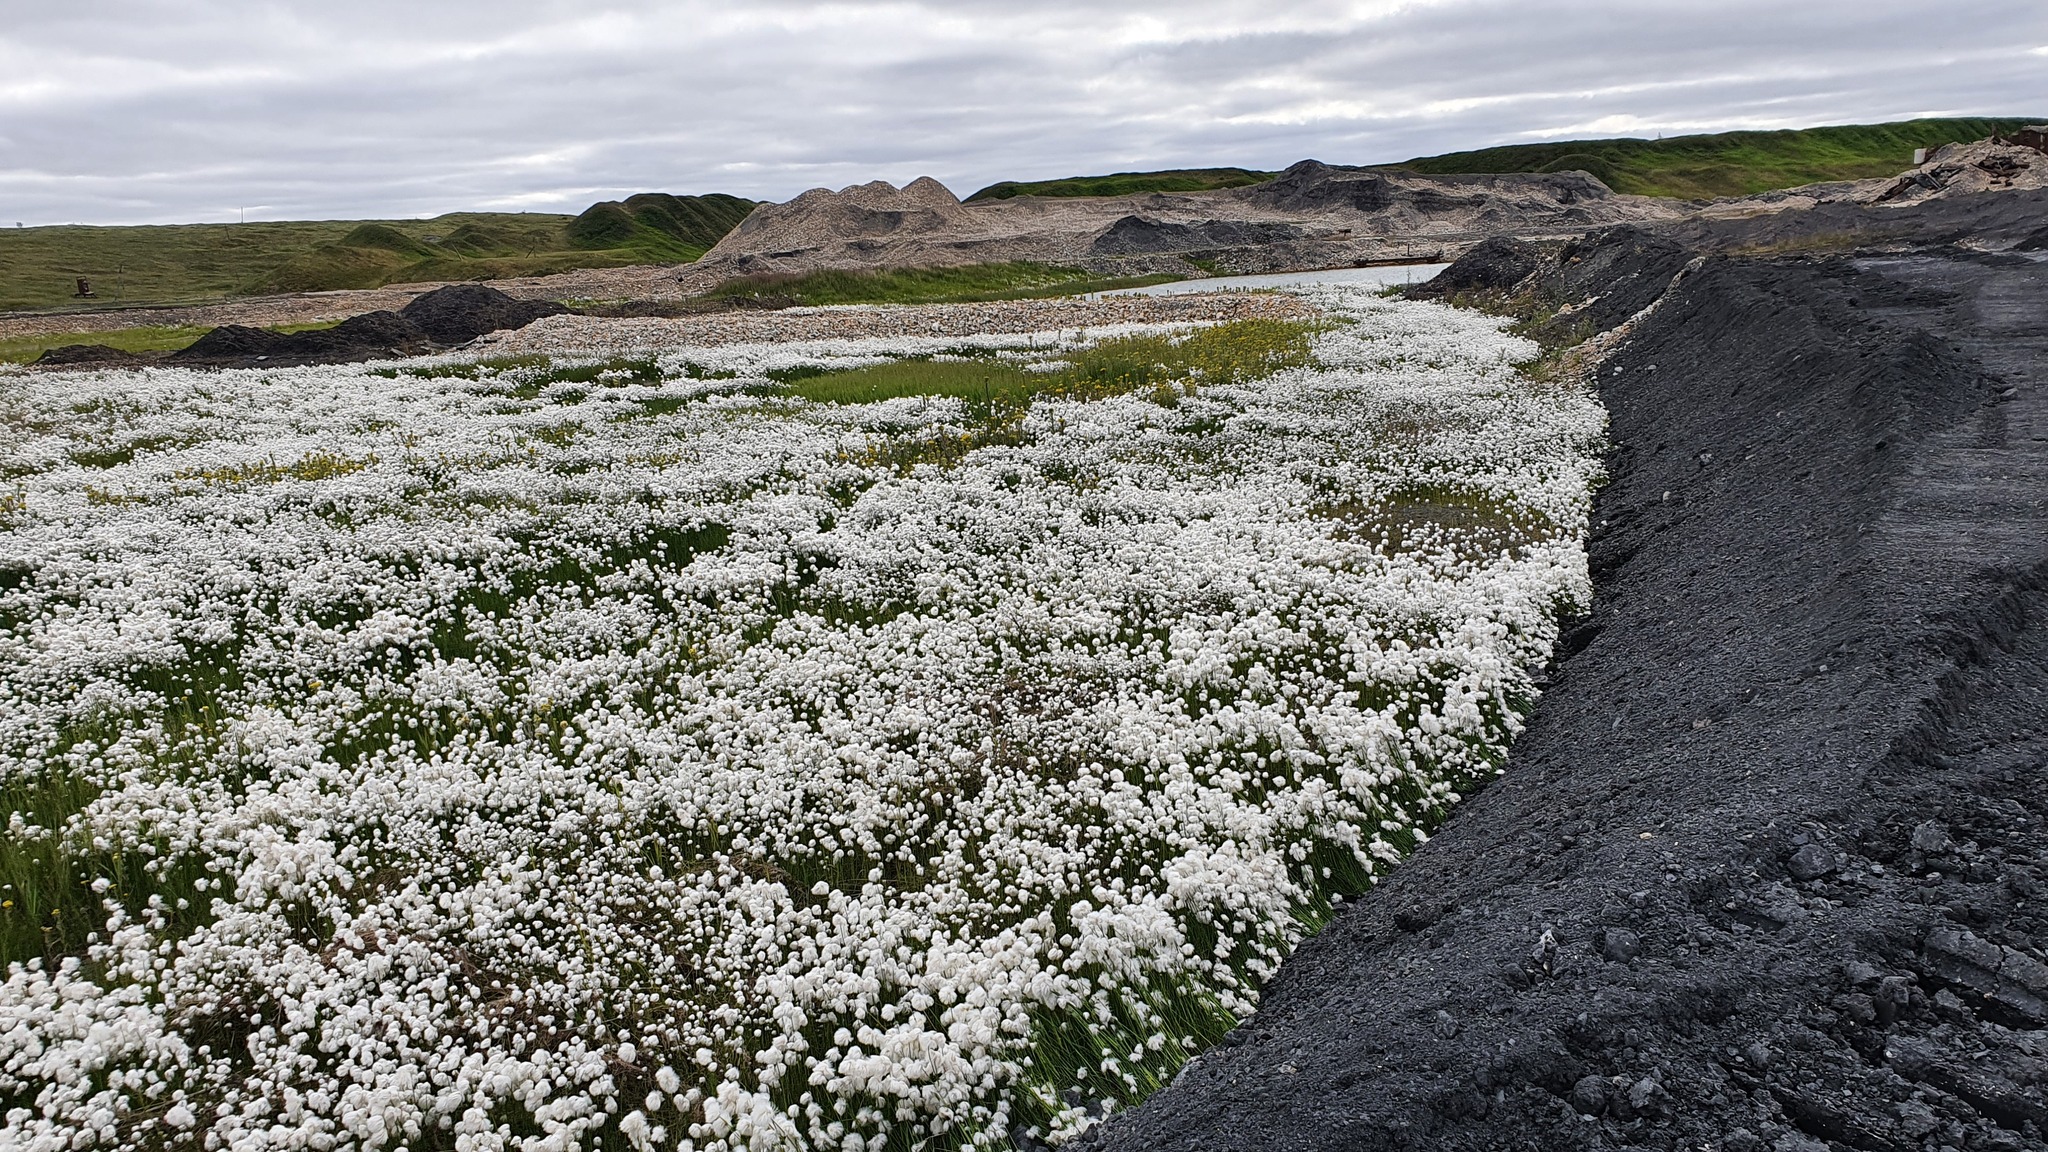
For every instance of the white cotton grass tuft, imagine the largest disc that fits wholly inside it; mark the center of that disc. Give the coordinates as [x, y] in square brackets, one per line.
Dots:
[660, 761]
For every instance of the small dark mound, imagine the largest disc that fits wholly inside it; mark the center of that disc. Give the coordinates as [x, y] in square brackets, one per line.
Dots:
[362, 337]
[1496, 265]
[235, 342]
[460, 313]
[1619, 272]
[82, 354]
[365, 337]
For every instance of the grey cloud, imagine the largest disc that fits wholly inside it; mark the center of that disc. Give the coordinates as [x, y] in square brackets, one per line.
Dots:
[135, 111]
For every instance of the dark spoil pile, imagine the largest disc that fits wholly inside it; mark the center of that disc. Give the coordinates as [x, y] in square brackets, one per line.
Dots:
[87, 355]
[441, 318]
[1768, 868]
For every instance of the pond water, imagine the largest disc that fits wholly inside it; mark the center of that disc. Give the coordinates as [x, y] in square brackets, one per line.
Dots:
[1376, 277]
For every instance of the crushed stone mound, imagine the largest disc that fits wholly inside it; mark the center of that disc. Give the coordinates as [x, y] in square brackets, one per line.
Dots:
[1313, 186]
[1496, 265]
[1314, 215]
[1617, 272]
[98, 355]
[1959, 169]
[1139, 235]
[1768, 868]
[460, 313]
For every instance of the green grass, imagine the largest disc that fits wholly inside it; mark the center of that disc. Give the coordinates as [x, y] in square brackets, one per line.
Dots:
[1127, 183]
[985, 381]
[24, 349]
[998, 393]
[1718, 164]
[973, 282]
[1728, 163]
[1223, 354]
[194, 263]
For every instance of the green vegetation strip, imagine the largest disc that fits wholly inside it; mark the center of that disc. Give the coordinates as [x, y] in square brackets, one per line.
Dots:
[1163, 364]
[192, 263]
[1127, 183]
[1728, 163]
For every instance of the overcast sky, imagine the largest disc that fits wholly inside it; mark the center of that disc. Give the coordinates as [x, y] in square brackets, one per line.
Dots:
[136, 111]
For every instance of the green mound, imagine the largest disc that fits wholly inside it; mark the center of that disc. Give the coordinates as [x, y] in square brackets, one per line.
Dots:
[1127, 183]
[331, 267]
[387, 238]
[1728, 163]
[1013, 281]
[196, 263]
[681, 227]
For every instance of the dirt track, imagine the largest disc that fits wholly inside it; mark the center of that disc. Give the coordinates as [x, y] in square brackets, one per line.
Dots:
[1768, 868]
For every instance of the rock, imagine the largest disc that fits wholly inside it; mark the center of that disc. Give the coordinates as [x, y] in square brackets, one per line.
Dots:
[1758, 1054]
[2007, 975]
[1917, 1120]
[1646, 1096]
[1811, 863]
[1446, 1026]
[1620, 945]
[1742, 1140]
[1930, 838]
[1589, 1095]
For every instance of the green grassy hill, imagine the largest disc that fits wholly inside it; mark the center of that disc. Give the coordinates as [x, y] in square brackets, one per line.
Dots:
[1719, 164]
[1127, 183]
[191, 263]
[1728, 163]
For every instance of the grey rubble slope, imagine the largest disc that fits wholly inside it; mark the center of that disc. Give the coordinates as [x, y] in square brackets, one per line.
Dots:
[1767, 867]
[1313, 215]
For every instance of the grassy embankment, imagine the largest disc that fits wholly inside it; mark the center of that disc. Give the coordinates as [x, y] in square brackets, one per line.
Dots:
[192, 263]
[1715, 164]
[1127, 183]
[1727, 163]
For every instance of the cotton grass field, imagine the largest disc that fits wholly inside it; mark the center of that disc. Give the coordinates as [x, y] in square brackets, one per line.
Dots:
[842, 745]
